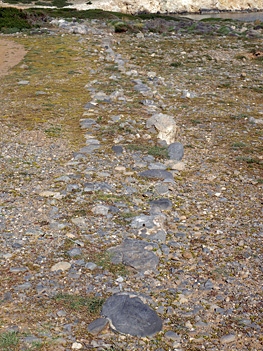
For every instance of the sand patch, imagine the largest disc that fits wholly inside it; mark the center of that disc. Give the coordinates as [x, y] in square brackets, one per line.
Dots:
[11, 53]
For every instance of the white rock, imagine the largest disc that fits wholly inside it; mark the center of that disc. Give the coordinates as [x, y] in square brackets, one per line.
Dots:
[164, 6]
[48, 193]
[176, 166]
[76, 346]
[165, 125]
[61, 266]
[120, 168]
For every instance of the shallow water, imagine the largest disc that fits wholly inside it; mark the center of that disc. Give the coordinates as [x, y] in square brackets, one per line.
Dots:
[241, 16]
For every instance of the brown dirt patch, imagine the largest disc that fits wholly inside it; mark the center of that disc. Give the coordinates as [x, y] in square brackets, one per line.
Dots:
[11, 53]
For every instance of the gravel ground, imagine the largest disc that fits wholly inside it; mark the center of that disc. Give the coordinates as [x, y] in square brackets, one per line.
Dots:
[74, 142]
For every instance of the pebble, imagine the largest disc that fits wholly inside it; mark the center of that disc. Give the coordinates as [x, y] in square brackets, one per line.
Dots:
[77, 346]
[61, 266]
[227, 339]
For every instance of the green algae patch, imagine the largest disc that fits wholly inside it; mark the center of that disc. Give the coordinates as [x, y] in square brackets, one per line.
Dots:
[46, 90]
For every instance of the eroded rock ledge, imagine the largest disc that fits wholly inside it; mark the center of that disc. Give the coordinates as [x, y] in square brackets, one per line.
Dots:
[166, 6]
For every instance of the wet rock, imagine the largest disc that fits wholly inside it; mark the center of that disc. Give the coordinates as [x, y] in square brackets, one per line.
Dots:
[127, 314]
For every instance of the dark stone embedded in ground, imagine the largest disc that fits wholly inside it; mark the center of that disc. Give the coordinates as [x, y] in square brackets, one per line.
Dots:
[133, 253]
[162, 204]
[176, 151]
[127, 314]
[89, 149]
[97, 326]
[117, 149]
[87, 123]
[157, 174]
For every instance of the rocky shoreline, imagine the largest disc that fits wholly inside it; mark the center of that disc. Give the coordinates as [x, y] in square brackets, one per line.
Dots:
[143, 177]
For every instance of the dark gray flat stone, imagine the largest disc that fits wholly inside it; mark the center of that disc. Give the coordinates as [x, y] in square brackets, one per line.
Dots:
[127, 314]
[89, 149]
[97, 326]
[162, 204]
[87, 123]
[176, 151]
[133, 253]
[157, 174]
[117, 149]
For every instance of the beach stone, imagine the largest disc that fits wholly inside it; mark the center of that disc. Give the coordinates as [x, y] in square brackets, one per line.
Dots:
[134, 253]
[165, 125]
[176, 151]
[97, 325]
[127, 314]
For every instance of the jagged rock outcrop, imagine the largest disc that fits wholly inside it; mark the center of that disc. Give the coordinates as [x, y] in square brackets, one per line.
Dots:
[164, 6]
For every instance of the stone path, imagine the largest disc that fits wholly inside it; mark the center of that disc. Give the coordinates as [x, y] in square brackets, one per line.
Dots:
[152, 208]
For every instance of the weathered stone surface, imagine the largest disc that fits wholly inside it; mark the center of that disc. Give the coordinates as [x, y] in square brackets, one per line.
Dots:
[61, 266]
[117, 149]
[142, 221]
[164, 6]
[97, 326]
[226, 339]
[100, 210]
[157, 174]
[127, 314]
[162, 204]
[165, 125]
[176, 151]
[134, 253]
[76, 251]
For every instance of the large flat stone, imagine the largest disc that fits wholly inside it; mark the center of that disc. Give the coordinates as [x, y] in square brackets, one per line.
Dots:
[127, 314]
